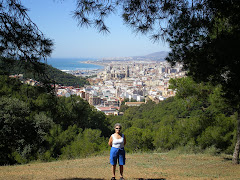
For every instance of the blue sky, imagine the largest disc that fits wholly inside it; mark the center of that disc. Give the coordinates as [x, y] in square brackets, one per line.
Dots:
[55, 20]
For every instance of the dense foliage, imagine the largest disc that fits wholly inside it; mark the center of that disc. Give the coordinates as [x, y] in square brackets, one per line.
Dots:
[195, 120]
[51, 74]
[35, 124]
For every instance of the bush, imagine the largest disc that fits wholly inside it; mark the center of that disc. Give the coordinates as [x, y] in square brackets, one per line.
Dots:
[21, 134]
[87, 143]
[138, 139]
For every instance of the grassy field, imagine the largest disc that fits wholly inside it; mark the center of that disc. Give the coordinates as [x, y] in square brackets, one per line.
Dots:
[159, 166]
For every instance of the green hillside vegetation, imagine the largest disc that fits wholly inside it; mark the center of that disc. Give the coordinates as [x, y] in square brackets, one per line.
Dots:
[37, 125]
[50, 74]
[196, 119]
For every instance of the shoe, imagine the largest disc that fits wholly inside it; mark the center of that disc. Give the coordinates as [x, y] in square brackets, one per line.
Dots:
[113, 178]
[121, 178]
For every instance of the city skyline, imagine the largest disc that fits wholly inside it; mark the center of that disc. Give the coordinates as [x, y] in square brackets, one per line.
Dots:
[120, 81]
[54, 19]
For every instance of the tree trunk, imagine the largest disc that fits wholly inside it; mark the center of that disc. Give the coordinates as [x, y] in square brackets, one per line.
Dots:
[235, 158]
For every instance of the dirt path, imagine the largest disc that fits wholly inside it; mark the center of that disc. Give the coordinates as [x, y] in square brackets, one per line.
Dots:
[139, 166]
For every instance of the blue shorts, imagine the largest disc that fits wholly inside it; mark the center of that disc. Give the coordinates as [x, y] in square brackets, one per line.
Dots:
[117, 154]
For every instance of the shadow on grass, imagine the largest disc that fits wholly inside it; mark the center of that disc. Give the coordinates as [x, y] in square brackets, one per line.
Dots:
[103, 179]
[227, 159]
[150, 179]
[81, 179]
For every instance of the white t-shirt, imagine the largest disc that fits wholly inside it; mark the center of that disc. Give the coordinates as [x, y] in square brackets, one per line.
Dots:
[118, 143]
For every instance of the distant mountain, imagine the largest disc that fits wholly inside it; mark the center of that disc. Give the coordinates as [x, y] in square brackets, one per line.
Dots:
[157, 56]
[161, 54]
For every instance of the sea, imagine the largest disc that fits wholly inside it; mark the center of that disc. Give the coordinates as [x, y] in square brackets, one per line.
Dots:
[69, 64]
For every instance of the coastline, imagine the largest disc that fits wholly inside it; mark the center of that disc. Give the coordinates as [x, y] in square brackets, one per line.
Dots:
[92, 70]
[74, 64]
[93, 63]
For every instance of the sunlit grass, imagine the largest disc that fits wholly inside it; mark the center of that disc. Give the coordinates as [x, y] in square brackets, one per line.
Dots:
[171, 165]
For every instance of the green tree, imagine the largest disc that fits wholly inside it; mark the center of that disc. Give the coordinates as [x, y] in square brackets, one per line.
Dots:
[139, 139]
[14, 126]
[21, 135]
[123, 107]
[37, 124]
[74, 110]
[20, 38]
[57, 139]
[134, 138]
[87, 143]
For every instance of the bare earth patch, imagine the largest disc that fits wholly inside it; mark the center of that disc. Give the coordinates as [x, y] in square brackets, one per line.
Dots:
[160, 166]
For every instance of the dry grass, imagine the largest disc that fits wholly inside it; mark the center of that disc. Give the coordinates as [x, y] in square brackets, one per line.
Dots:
[139, 166]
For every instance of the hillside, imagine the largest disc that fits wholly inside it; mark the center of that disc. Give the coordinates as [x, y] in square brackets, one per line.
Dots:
[161, 54]
[54, 75]
[157, 56]
[158, 166]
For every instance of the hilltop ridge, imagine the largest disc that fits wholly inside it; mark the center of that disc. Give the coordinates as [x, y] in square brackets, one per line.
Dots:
[157, 56]
[55, 75]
